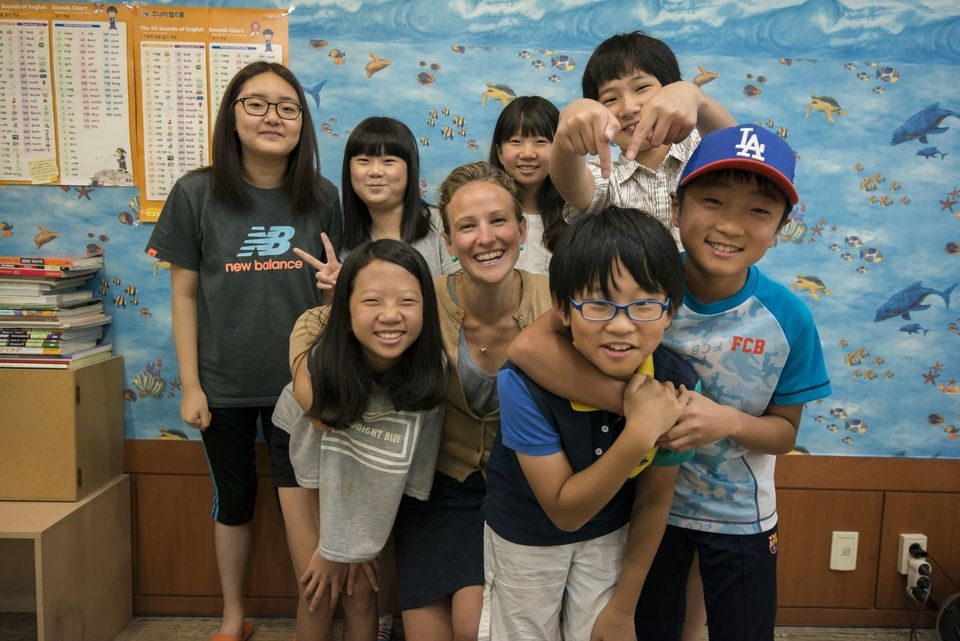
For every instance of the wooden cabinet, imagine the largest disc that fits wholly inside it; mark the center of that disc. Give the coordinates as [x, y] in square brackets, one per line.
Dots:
[61, 430]
[70, 562]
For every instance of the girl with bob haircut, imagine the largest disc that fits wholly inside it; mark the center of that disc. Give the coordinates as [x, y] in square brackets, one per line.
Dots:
[231, 232]
[522, 140]
[381, 192]
[439, 542]
[364, 414]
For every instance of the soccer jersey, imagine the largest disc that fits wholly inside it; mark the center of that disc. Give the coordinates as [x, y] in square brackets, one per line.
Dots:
[756, 348]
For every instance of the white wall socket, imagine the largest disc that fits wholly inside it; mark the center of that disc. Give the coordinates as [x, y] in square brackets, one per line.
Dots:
[843, 551]
[903, 550]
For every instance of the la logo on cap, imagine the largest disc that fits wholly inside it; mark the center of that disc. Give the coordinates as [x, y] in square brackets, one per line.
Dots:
[750, 145]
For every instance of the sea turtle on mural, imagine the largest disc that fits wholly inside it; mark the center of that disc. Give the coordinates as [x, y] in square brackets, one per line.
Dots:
[827, 105]
[503, 93]
[812, 284]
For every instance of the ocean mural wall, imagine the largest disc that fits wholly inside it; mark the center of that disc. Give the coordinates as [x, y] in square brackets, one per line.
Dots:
[866, 93]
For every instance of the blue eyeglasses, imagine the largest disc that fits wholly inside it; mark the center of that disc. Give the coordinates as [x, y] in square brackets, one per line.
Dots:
[642, 311]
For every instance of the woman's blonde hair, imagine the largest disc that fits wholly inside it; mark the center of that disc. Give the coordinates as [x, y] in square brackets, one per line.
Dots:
[480, 171]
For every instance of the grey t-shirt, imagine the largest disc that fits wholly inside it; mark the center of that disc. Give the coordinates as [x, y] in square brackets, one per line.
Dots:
[361, 471]
[252, 286]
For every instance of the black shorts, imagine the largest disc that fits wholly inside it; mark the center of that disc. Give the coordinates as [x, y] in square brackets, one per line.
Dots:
[739, 574]
[439, 542]
[229, 444]
[281, 469]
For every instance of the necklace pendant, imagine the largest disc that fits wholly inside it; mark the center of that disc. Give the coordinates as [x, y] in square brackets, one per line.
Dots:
[483, 350]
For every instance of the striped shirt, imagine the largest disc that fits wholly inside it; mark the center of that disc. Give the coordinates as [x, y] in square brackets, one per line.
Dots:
[633, 185]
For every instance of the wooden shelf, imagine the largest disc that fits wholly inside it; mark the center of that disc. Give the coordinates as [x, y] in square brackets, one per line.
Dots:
[81, 582]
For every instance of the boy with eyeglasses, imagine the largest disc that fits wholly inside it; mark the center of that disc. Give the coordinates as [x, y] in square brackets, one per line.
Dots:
[577, 498]
[757, 349]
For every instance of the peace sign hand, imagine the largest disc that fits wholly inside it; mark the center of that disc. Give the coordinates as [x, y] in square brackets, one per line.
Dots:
[327, 272]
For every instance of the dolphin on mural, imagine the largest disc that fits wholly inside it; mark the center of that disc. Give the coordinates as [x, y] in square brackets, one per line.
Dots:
[921, 124]
[908, 300]
[314, 91]
[931, 152]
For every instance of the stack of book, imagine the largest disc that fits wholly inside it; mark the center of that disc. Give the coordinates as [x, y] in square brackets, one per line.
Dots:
[46, 319]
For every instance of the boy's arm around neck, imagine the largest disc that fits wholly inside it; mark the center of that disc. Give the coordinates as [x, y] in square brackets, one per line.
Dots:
[704, 421]
[544, 352]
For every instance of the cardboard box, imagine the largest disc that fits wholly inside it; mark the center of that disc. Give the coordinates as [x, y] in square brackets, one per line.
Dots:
[61, 431]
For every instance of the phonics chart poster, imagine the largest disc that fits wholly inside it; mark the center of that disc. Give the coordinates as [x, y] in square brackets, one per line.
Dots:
[107, 95]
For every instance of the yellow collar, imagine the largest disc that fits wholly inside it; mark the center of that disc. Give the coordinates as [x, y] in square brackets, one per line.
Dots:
[646, 368]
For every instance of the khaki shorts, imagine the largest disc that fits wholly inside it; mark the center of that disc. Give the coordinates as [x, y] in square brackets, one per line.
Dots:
[530, 592]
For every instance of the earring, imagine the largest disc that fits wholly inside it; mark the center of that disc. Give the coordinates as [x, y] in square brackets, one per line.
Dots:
[453, 259]
[522, 246]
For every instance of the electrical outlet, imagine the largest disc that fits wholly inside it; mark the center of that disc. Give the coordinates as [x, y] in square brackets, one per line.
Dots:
[843, 551]
[903, 550]
[918, 574]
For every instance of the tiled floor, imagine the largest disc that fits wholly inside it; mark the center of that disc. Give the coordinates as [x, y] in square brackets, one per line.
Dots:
[23, 628]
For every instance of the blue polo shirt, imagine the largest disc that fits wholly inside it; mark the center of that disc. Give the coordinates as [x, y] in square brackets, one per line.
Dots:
[535, 422]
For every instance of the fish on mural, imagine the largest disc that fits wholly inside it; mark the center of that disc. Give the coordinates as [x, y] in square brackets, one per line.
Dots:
[538, 64]
[44, 236]
[425, 141]
[811, 284]
[337, 56]
[922, 124]
[426, 78]
[503, 93]
[563, 62]
[6, 229]
[704, 76]
[171, 434]
[751, 91]
[950, 388]
[157, 266]
[553, 78]
[931, 152]
[910, 299]
[376, 64]
[457, 48]
[472, 145]
[914, 328]
[871, 255]
[318, 43]
[888, 74]
[879, 90]
[314, 92]
[827, 105]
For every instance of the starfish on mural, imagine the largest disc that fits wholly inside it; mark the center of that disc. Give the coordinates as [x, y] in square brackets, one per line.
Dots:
[947, 204]
[930, 377]
[84, 192]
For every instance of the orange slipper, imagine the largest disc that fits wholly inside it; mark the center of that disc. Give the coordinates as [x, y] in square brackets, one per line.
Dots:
[244, 636]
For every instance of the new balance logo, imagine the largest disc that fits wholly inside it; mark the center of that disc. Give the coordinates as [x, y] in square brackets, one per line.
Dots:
[266, 241]
[749, 146]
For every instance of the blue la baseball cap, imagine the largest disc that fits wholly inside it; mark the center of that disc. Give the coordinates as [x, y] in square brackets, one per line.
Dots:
[747, 147]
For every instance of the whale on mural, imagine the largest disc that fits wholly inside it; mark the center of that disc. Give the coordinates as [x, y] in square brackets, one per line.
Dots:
[924, 122]
[908, 300]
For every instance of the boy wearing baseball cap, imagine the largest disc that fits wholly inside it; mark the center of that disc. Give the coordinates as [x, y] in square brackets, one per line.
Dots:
[757, 351]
